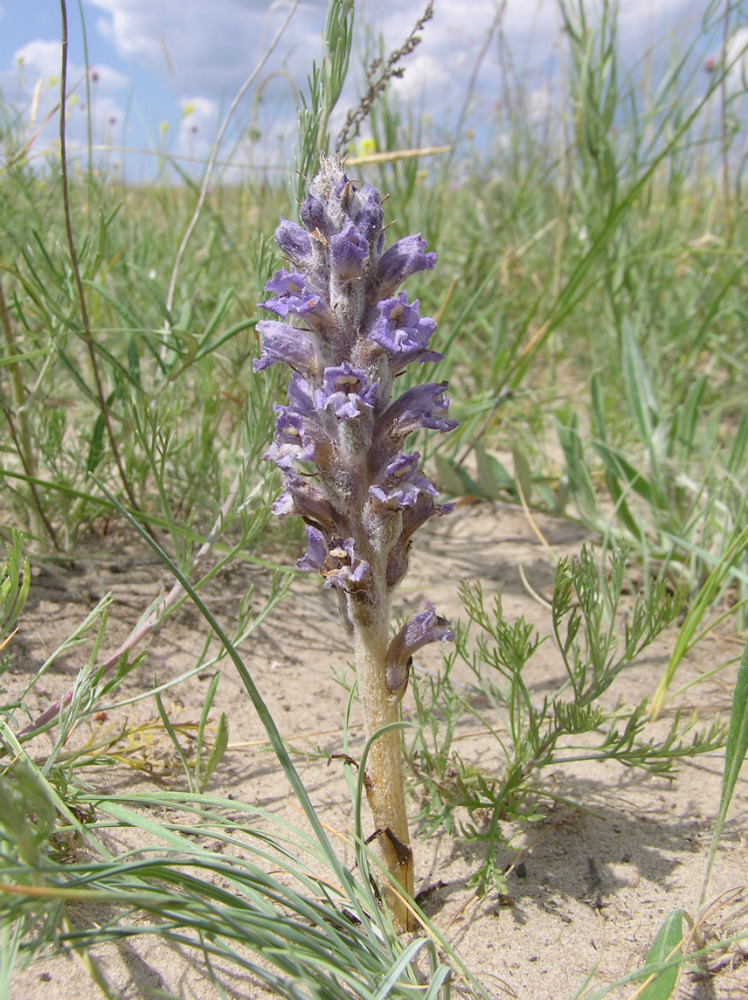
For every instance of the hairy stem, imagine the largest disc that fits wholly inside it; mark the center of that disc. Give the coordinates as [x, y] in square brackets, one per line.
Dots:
[385, 789]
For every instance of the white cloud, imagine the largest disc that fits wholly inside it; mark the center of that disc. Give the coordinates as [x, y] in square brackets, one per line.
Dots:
[638, 10]
[736, 57]
[210, 45]
[198, 52]
[539, 103]
[422, 72]
[35, 80]
[107, 79]
[134, 28]
[197, 127]
[41, 58]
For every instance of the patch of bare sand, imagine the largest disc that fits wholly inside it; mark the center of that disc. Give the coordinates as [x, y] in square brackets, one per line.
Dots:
[592, 882]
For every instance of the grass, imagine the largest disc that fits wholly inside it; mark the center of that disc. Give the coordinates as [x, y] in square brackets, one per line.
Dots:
[591, 299]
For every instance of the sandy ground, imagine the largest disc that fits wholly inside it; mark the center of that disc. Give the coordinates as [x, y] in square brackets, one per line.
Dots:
[590, 885]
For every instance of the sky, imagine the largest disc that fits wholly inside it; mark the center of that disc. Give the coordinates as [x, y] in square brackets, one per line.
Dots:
[162, 73]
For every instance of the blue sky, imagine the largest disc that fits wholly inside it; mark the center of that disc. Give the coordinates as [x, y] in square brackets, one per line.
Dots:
[162, 72]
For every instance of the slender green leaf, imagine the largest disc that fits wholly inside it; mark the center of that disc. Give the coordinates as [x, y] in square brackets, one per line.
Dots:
[581, 488]
[493, 478]
[454, 479]
[638, 385]
[217, 751]
[696, 614]
[667, 945]
[735, 751]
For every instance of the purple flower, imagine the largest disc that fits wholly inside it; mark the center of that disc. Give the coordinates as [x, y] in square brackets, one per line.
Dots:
[424, 627]
[402, 482]
[343, 569]
[281, 342]
[403, 258]
[284, 506]
[370, 217]
[421, 406]
[312, 214]
[345, 389]
[403, 333]
[308, 500]
[348, 253]
[296, 439]
[293, 241]
[316, 554]
[339, 564]
[300, 396]
[293, 295]
[298, 432]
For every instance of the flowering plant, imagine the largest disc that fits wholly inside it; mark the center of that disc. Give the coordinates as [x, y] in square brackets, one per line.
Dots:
[347, 333]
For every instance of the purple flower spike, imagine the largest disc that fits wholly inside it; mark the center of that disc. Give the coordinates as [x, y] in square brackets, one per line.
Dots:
[424, 627]
[402, 482]
[355, 333]
[345, 389]
[346, 332]
[403, 258]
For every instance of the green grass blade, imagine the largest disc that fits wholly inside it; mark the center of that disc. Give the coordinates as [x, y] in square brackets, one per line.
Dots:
[735, 751]
[696, 613]
[581, 487]
[639, 389]
[388, 984]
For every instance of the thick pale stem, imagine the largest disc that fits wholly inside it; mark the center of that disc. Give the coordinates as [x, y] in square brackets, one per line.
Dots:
[384, 775]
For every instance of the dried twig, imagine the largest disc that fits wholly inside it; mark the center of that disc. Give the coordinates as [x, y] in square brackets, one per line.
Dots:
[377, 78]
